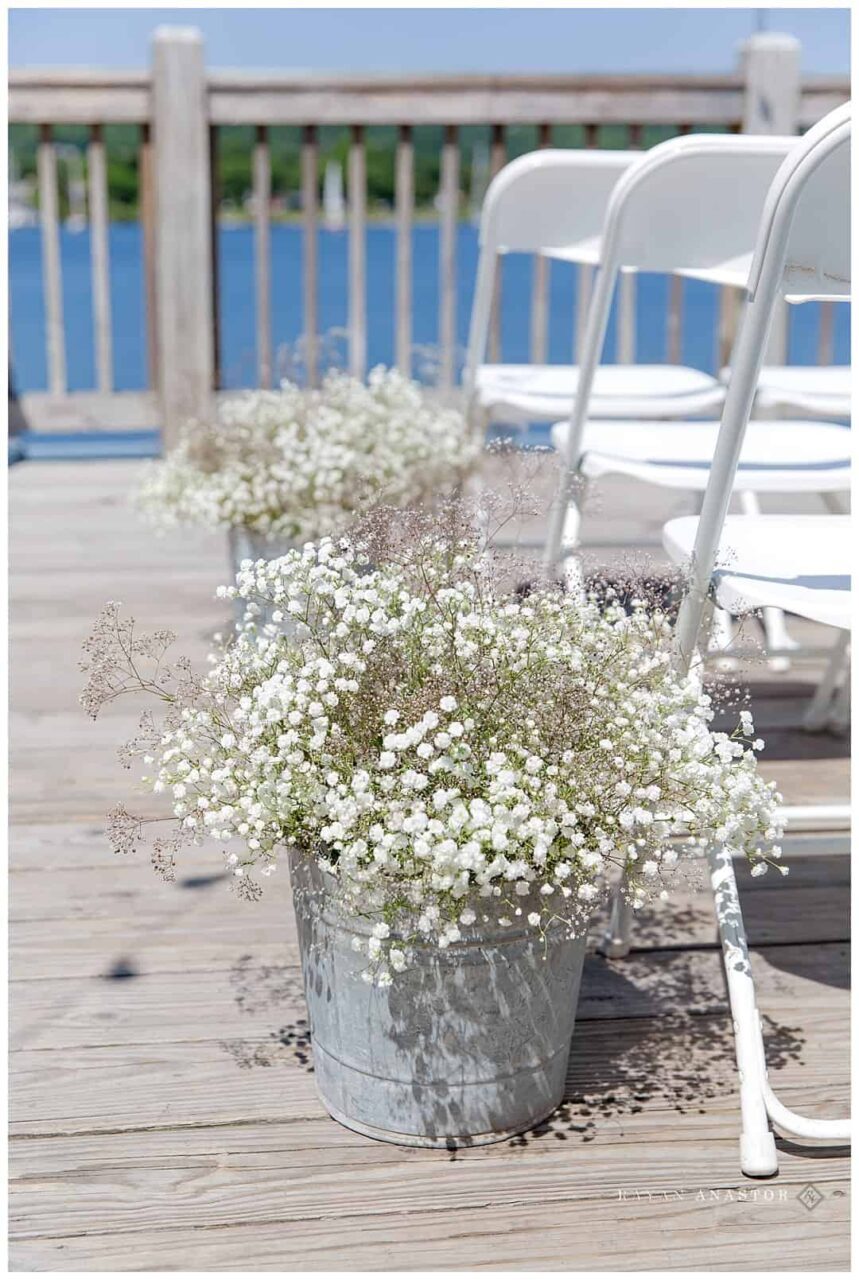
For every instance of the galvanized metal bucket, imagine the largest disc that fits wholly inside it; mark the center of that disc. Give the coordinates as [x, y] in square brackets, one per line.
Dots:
[468, 1046]
[244, 544]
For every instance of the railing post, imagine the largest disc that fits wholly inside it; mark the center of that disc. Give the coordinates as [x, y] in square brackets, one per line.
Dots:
[770, 66]
[183, 228]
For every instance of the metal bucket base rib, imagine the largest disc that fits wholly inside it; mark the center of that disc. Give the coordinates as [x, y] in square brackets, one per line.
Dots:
[417, 1140]
[417, 1111]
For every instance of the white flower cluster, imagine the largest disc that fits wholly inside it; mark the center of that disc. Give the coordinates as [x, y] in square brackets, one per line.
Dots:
[450, 752]
[300, 463]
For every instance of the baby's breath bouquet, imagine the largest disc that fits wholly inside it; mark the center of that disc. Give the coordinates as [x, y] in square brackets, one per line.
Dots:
[453, 754]
[299, 463]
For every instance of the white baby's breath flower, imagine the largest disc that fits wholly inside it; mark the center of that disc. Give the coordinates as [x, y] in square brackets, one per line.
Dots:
[340, 742]
[297, 463]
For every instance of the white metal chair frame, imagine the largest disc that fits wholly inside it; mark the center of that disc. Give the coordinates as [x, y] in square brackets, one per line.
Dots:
[793, 256]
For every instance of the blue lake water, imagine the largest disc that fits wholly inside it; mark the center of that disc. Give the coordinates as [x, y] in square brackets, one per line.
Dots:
[237, 305]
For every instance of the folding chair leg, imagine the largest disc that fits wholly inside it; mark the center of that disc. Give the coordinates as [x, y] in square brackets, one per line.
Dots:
[574, 574]
[775, 627]
[615, 942]
[777, 637]
[822, 705]
[758, 1158]
[719, 629]
[837, 503]
[839, 719]
[721, 639]
[758, 1103]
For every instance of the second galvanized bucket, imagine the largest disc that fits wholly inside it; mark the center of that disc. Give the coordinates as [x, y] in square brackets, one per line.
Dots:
[468, 1046]
[244, 544]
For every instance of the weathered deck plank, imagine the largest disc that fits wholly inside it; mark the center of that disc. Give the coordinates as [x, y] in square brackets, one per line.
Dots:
[639, 1234]
[163, 1109]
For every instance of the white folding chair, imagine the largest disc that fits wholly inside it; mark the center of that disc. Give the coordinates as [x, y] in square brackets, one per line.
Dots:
[799, 563]
[692, 206]
[553, 202]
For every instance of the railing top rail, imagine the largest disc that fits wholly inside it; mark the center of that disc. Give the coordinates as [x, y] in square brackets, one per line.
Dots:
[86, 77]
[451, 82]
[83, 95]
[79, 96]
[76, 77]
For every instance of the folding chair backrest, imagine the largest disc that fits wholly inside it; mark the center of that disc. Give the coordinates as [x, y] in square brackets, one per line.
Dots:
[550, 199]
[693, 202]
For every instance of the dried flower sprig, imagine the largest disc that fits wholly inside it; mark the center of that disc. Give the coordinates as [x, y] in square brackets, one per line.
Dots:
[116, 659]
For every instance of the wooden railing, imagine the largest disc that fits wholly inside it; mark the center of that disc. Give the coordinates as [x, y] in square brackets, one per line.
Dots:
[179, 108]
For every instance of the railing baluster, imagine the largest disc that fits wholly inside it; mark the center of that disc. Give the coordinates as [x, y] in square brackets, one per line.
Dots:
[497, 158]
[405, 196]
[674, 320]
[540, 287]
[147, 227]
[584, 274]
[826, 334]
[51, 270]
[627, 288]
[100, 258]
[357, 254]
[729, 312]
[674, 315]
[448, 223]
[262, 246]
[214, 244]
[310, 208]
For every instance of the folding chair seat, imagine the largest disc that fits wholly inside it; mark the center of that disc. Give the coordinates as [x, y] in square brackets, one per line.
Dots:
[778, 457]
[823, 391]
[798, 563]
[521, 393]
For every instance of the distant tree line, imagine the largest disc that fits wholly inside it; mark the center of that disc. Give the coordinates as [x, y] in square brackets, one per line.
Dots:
[235, 151]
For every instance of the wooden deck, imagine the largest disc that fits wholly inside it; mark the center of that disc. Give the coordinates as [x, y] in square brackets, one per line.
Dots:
[163, 1108]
